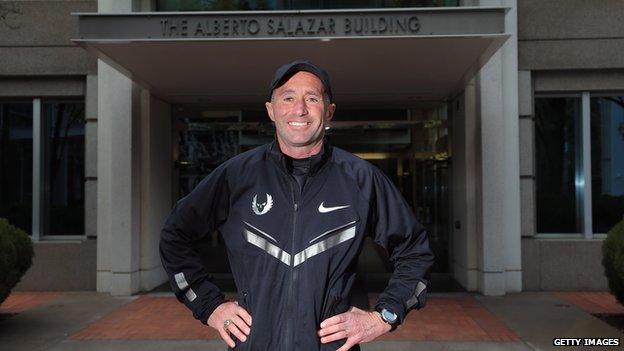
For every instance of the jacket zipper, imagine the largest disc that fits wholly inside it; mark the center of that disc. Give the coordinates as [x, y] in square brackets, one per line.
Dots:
[293, 276]
[293, 273]
[247, 302]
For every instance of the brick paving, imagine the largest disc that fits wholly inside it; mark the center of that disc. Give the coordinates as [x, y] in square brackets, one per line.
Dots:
[593, 302]
[147, 317]
[459, 317]
[19, 302]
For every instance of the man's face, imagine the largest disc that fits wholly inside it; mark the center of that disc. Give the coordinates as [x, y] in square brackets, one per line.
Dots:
[300, 112]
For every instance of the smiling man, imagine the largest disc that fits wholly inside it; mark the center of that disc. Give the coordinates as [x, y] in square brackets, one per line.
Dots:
[294, 215]
[301, 110]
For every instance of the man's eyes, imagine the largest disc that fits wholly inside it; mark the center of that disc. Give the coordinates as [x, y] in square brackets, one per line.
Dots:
[310, 99]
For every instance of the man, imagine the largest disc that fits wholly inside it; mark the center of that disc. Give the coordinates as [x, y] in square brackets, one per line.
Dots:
[294, 214]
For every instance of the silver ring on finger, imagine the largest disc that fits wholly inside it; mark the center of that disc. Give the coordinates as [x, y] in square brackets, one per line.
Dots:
[227, 323]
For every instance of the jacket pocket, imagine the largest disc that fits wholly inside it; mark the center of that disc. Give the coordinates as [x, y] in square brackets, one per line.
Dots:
[244, 301]
[331, 305]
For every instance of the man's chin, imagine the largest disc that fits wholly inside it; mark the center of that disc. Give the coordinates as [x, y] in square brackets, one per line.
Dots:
[294, 144]
[303, 141]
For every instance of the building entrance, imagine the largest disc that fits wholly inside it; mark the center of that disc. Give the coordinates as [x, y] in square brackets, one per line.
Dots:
[409, 144]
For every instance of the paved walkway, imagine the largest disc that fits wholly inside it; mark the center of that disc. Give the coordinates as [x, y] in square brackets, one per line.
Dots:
[453, 321]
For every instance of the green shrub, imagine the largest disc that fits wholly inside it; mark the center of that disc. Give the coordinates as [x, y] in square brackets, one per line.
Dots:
[16, 254]
[613, 260]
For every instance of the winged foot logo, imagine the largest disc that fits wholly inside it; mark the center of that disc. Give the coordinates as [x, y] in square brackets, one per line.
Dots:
[261, 208]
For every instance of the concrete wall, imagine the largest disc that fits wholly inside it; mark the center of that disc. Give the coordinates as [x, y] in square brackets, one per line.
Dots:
[580, 80]
[66, 265]
[559, 265]
[35, 39]
[563, 46]
[570, 34]
[38, 59]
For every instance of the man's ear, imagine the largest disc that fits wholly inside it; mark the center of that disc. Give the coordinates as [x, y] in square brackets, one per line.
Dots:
[269, 107]
[331, 108]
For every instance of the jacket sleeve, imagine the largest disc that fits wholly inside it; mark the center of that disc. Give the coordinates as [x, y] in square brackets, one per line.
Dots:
[193, 217]
[395, 228]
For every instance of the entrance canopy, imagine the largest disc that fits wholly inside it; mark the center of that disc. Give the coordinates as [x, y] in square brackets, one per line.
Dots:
[224, 58]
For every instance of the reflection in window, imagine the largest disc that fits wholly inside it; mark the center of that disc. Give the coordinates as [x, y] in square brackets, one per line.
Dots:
[16, 159]
[64, 164]
[556, 132]
[204, 143]
[254, 5]
[607, 156]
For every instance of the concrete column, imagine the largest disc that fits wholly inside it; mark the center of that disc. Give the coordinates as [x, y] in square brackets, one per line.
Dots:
[134, 176]
[527, 153]
[465, 142]
[91, 112]
[499, 248]
[118, 207]
[118, 175]
[156, 200]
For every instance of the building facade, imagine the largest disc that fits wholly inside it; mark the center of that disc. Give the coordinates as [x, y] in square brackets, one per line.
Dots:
[500, 121]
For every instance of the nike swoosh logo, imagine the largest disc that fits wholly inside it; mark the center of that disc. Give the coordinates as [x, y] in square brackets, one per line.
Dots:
[323, 209]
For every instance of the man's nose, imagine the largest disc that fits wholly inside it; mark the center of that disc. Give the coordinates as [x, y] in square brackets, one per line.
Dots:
[301, 108]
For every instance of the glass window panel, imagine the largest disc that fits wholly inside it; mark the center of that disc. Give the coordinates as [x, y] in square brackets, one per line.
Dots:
[607, 156]
[16, 159]
[246, 5]
[64, 163]
[557, 128]
[204, 143]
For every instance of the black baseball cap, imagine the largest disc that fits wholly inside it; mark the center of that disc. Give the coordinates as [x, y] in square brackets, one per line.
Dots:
[288, 70]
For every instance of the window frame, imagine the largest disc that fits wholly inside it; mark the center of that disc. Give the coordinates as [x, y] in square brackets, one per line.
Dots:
[583, 174]
[38, 186]
[25, 100]
[41, 139]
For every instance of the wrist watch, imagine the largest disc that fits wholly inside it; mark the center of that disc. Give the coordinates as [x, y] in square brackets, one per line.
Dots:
[389, 317]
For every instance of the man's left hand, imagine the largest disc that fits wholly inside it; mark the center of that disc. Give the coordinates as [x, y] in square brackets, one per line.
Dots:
[356, 325]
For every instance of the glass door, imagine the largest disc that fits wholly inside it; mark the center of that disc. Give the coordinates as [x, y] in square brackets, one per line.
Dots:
[409, 144]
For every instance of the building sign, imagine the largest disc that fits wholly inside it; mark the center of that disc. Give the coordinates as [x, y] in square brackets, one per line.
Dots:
[288, 26]
[244, 25]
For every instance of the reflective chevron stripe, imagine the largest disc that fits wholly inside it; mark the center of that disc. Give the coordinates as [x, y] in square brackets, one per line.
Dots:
[267, 247]
[299, 258]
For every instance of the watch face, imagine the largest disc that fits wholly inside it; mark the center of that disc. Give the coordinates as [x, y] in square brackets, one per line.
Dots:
[388, 316]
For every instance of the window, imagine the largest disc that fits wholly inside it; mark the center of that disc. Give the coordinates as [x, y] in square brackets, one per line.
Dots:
[64, 163]
[42, 160]
[556, 133]
[16, 161]
[607, 161]
[579, 176]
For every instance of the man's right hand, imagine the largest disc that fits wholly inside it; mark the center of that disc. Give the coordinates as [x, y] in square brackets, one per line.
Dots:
[239, 326]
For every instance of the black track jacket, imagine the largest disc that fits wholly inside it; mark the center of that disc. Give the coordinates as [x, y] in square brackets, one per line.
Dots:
[293, 252]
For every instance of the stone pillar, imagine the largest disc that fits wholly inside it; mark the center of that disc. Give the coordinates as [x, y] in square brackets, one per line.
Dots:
[465, 143]
[156, 185]
[134, 172]
[118, 196]
[499, 247]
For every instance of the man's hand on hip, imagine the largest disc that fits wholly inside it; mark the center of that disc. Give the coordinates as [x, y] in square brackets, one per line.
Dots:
[228, 318]
[356, 325]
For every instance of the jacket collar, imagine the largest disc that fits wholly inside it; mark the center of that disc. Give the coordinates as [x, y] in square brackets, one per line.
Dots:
[316, 161]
